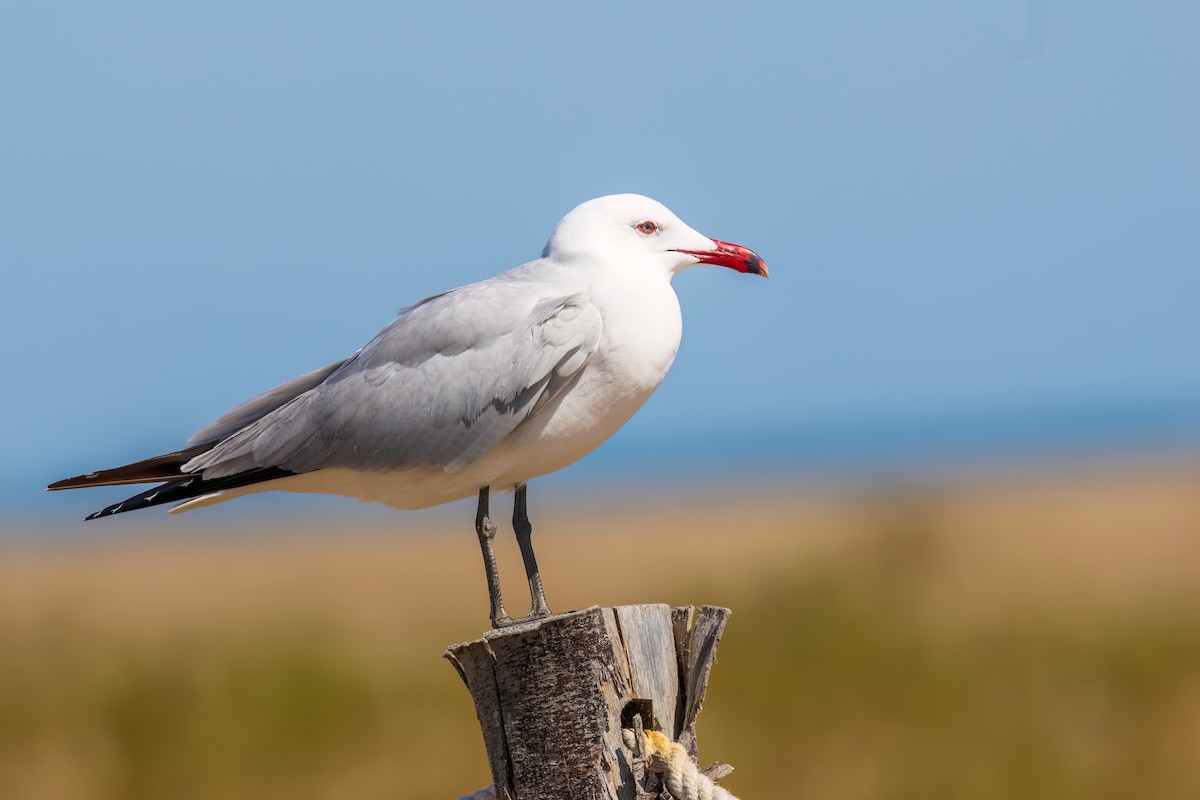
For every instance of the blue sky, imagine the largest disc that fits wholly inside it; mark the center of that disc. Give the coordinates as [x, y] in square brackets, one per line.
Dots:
[971, 211]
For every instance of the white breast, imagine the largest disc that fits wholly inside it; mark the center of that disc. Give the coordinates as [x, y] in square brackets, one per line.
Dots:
[641, 337]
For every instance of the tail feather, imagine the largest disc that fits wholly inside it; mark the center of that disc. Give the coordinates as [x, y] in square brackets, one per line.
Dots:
[160, 468]
[193, 486]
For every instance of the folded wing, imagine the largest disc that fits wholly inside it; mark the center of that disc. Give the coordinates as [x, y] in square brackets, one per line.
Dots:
[439, 387]
[169, 466]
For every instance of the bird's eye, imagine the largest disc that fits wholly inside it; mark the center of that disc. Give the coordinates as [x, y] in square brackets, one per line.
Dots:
[647, 227]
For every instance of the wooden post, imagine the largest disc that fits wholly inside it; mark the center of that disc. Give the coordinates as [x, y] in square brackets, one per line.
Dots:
[553, 696]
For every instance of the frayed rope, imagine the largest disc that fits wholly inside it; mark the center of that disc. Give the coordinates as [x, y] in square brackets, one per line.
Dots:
[683, 778]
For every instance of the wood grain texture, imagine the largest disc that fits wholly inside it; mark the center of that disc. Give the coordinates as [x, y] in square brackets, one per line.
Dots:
[701, 657]
[649, 642]
[552, 696]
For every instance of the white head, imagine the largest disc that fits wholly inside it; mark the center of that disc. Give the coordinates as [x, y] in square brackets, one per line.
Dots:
[630, 228]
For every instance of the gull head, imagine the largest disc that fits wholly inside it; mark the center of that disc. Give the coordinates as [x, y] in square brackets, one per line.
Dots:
[634, 232]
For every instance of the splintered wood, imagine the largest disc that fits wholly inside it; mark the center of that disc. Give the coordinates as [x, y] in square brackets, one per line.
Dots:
[553, 695]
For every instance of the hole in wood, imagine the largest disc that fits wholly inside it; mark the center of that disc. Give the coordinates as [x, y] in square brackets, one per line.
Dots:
[643, 707]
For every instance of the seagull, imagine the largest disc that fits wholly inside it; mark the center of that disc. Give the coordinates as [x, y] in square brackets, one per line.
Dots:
[482, 387]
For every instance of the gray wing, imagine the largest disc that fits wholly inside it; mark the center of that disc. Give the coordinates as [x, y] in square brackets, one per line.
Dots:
[259, 406]
[439, 387]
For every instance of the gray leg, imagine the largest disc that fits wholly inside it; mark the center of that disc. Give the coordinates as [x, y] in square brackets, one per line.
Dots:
[524, 531]
[486, 529]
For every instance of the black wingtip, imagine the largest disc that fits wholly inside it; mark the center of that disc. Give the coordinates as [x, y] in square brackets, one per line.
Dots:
[167, 467]
[71, 483]
[194, 486]
[107, 511]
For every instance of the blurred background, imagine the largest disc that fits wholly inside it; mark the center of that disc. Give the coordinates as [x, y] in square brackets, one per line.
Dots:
[943, 466]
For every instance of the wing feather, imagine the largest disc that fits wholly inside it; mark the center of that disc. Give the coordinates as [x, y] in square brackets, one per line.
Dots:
[259, 406]
[439, 387]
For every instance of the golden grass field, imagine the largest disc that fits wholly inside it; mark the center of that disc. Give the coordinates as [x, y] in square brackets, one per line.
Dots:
[1007, 637]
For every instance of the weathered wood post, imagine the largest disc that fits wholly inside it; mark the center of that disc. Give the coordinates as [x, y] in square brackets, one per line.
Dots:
[553, 697]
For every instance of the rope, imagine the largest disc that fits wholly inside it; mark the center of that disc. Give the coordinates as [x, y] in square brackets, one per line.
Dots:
[683, 778]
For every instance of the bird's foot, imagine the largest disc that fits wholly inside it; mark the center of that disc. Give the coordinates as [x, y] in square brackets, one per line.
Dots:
[538, 597]
[507, 621]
